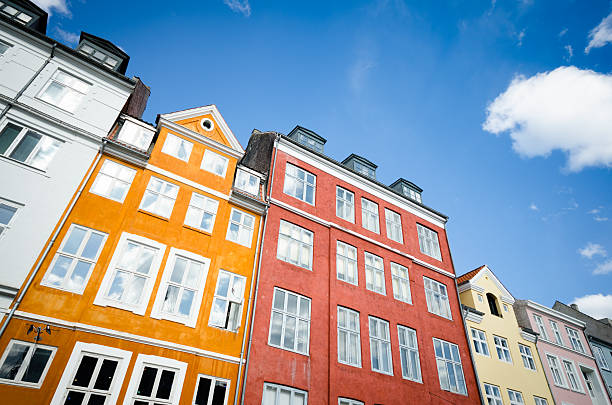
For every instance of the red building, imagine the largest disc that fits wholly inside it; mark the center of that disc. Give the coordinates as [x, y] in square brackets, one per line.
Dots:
[356, 300]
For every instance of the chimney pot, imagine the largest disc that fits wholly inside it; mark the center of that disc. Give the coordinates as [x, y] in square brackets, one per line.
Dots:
[574, 306]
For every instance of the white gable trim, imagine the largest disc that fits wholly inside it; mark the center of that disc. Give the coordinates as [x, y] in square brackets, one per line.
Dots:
[505, 294]
[207, 109]
[556, 314]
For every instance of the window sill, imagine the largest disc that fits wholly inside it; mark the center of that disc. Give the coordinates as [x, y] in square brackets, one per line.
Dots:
[153, 215]
[377, 292]
[55, 287]
[24, 166]
[197, 230]
[288, 350]
[21, 384]
[107, 197]
[414, 381]
[165, 317]
[383, 373]
[442, 317]
[295, 265]
[223, 329]
[349, 365]
[71, 113]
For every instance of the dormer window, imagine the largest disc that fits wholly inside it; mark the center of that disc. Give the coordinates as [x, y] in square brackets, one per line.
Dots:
[103, 52]
[247, 182]
[412, 194]
[135, 134]
[99, 56]
[15, 14]
[360, 165]
[407, 189]
[493, 307]
[308, 138]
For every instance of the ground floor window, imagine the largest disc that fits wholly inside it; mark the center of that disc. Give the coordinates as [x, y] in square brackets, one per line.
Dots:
[275, 394]
[156, 381]
[211, 391]
[25, 363]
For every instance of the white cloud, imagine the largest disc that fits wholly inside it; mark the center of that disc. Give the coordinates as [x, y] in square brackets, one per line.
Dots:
[533, 207]
[596, 305]
[364, 62]
[69, 37]
[600, 35]
[570, 52]
[239, 6]
[603, 268]
[520, 37]
[594, 211]
[53, 5]
[600, 219]
[566, 109]
[563, 32]
[592, 249]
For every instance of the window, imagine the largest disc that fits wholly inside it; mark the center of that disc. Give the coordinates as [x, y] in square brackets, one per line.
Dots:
[4, 47]
[295, 245]
[380, 346]
[226, 312]
[290, 321]
[310, 142]
[211, 391]
[345, 204]
[64, 91]
[375, 273]
[527, 357]
[437, 298]
[75, 258]
[409, 353]
[177, 147]
[94, 375]
[201, 212]
[135, 135]
[159, 197]
[27, 146]
[600, 357]
[240, 229]
[516, 398]
[180, 291]
[346, 263]
[369, 215]
[128, 282]
[365, 170]
[479, 338]
[401, 283]
[540, 401]
[246, 181]
[394, 226]
[555, 370]
[480, 299]
[156, 381]
[540, 323]
[274, 394]
[450, 371]
[99, 56]
[555, 328]
[501, 346]
[574, 338]
[505, 308]
[207, 124]
[214, 163]
[493, 395]
[8, 211]
[572, 377]
[492, 300]
[411, 193]
[299, 184]
[15, 14]
[428, 242]
[346, 401]
[349, 340]
[25, 363]
[113, 181]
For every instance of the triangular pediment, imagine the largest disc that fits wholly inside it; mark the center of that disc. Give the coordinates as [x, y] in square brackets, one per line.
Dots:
[485, 271]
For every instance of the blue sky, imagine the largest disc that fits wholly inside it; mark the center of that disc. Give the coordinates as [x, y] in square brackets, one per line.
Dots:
[500, 110]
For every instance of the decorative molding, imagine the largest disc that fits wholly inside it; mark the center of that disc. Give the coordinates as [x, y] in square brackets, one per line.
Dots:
[255, 206]
[185, 181]
[469, 286]
[198, 137]
[530, 337]
[473, 317]
[555, 314]
[126, 154]
[506, 297]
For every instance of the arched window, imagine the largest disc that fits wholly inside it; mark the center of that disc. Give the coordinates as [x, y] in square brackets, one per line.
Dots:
[493, 304]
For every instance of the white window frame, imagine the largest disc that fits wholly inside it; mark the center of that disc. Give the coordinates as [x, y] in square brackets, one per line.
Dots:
[241, 227]
[347, 263]
[409, 349]
[81, 94]
[110, 271]
[159, 196]
[209, 156]
[157, 311]
[279, 387]
[243, 181]
[369, 213]
[540, 322]
[26, 362]
[348, 333]
[479, 340]
[161, 362]
[199, 212]
[527, 357]
[434, 296]
[575, 384]
[540, 400]
[347, 204]
[291, 243]
[347, 401]
[492, 394]
[575, 341]
[502, 349]
[600, 357]
[114, 180]
[393, 222]
[556, 332]
[75, 257]
[305, 182]
[213, 381]
[122, 356]
[297, 317]
[372, 270]
[135, 134]
[166, 149]
[429, 243]
[556, 365]
[229, 300]
[29, 160]
[516, 397]
[4, 228]
[457, 389]
[397, 280]
[380, 343]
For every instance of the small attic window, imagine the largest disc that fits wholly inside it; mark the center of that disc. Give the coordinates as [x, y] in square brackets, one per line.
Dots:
[408, 189]
[360, 165]
[363, 169]
[207, 124]
[493, 306]
[15, 14]
[308, 138]
[135, 135]
[98, 55]
[310, 142]
[411, 193]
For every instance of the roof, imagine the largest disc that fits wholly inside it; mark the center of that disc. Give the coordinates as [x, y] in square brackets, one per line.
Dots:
[469, 275]
[361, 158]
[408, 183]
[108, 46]
[299, 128]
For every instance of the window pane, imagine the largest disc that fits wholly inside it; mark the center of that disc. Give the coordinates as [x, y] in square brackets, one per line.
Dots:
[44, 154]
[186, 300]
[219, 393]
[25, 146]
[79, 275]
[37, 365]
[74, 398]
[59, 270]
[7, 136]
[85, 371]
[147, 380]
[90, 251]
[6, 213]
[13, 361]
[203, 391]
[165, 384]
[276, 328]
[105, 375]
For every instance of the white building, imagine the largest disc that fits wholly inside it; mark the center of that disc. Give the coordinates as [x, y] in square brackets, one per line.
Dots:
[56, 106]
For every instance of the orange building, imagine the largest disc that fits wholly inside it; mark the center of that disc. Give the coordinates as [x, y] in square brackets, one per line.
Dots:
[143, 296]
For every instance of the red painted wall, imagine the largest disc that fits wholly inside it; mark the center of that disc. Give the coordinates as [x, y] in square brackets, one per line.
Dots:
[320, 373]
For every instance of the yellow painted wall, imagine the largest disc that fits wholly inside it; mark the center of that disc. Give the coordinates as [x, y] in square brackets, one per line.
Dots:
[490, 369]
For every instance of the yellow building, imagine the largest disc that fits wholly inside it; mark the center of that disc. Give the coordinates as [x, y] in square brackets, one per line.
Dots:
[505, 356]
[144, 293]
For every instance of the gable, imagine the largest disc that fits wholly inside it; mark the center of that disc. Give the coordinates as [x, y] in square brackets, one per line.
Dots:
[488, 281]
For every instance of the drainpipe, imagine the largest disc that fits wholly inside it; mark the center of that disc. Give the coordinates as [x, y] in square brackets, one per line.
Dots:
[53, 238]
[255, 295]
[23, 89]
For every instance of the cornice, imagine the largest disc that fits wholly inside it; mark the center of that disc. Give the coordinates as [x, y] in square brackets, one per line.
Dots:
[556, 314]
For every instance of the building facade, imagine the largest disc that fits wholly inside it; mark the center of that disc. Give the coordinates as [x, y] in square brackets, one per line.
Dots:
[144, 297]
[505, 355]
[57, 104]
[599, 336]
[568, 362]
[356, 300]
